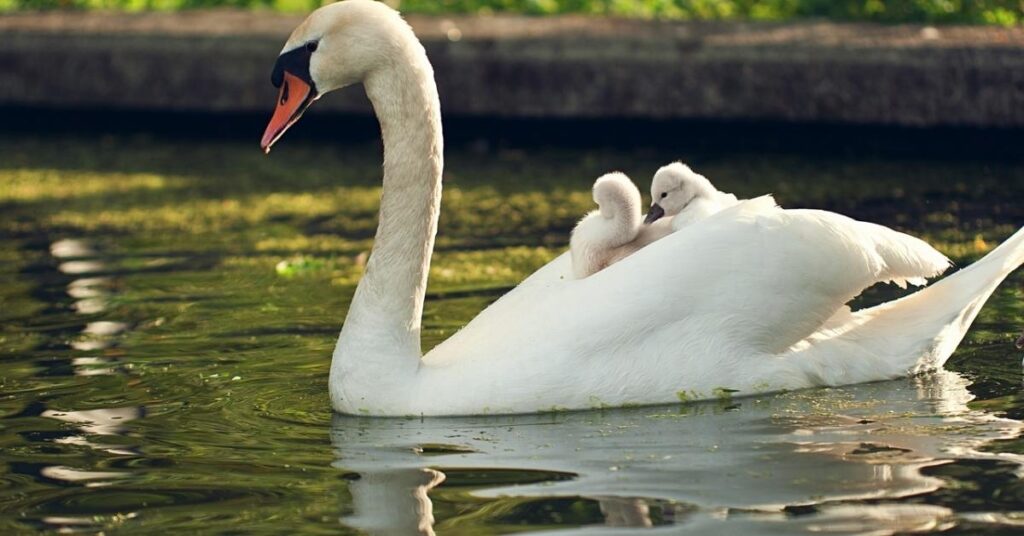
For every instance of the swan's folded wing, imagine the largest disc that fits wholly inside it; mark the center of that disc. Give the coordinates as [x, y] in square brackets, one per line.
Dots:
[798, 268]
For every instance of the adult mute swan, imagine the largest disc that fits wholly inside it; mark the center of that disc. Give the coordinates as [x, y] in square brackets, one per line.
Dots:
[687, 196]
[613, 231]
[753, 301]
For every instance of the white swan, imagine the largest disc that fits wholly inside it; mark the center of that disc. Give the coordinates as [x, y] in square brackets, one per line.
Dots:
[686, 195]
[753, 302]
[613, 232]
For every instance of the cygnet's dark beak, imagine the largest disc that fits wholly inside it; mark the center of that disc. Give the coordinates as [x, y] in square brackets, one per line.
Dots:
[655, 214]
[1020, 341]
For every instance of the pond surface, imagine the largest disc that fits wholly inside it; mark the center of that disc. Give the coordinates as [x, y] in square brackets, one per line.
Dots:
[168, 309]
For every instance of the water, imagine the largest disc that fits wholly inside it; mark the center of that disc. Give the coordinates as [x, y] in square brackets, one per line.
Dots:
[168, 309]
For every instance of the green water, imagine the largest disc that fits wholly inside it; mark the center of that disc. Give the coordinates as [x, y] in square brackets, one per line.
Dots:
[168, 309]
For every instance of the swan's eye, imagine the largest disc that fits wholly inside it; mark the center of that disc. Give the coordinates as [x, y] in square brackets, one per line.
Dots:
[311, 46]
[664, 195]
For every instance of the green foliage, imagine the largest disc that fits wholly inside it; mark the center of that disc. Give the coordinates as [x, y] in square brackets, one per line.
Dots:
[1002, 12]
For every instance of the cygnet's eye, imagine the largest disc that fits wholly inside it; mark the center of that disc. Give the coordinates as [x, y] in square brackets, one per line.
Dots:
[664, 195]
[311, 46]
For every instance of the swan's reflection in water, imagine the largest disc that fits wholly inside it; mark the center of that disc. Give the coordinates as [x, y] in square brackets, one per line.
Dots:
[741, 465]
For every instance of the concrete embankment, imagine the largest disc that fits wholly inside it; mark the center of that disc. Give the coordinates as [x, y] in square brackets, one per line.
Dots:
[565, 67]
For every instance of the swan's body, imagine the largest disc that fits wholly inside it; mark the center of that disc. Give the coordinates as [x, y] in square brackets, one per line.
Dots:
[685, 195]
[761, 308]
[613, 231]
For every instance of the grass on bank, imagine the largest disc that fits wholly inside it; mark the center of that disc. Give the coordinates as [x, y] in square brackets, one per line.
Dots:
[1001, 12]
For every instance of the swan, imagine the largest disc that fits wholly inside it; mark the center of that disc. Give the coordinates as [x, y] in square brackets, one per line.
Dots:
[678, 191]
[613, 232]
[750, 301]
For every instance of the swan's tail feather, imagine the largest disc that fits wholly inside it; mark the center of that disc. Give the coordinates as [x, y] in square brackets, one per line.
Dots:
[913, 334]
[1011, 252]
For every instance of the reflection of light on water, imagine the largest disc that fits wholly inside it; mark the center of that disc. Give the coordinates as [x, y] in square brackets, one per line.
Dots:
[70, 524]
[735, 471]
[880, 519]
[82, 267]
[87, 346]
[90, 293]
[92, 296]
[1007, 518]
[105, 328]
[870, 519]
[90, 306]
[71, 247]
[106, 421]
[90, 287]
[92, 366]
[119, 450]
[97, 336]
[67, 474]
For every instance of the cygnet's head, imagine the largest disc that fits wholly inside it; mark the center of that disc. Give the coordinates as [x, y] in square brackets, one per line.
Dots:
[674, 187]
[616, 195]
[338, 45]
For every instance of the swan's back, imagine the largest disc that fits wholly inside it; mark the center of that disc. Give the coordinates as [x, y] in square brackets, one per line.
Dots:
[705, 307]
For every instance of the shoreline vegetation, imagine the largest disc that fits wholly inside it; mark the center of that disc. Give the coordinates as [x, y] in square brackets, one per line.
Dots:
[991, 12]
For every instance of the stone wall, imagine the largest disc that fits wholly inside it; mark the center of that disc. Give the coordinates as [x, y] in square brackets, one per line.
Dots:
[571, 67]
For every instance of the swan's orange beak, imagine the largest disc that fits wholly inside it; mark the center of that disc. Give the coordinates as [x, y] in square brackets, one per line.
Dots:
[295, 96]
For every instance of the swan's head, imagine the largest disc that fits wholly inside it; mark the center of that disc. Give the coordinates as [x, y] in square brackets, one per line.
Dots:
[674, 187]
[616, 195]
[337, 45]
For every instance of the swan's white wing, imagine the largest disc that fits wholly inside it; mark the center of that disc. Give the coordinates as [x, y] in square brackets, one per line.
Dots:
[799, 267]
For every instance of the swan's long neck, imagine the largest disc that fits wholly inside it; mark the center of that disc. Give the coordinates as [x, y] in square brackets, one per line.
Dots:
[380, 341]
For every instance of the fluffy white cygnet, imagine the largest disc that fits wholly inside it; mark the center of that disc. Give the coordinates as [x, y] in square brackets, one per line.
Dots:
[613, 231]
[686, 195]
